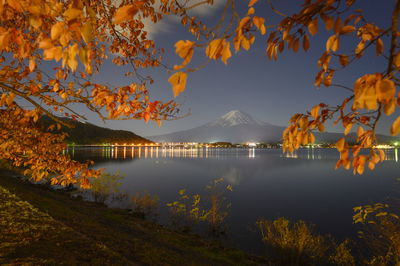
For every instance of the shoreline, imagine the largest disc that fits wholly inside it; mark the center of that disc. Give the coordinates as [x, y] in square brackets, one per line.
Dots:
[95, 230]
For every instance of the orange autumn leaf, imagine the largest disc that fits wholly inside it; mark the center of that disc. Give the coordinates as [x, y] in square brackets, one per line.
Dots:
[340, 144]
[252, 2]
[56, 30]
[347, 29]
[395, 128]
[379, 46]
[178, 81]
[332, 43]
[385, 90]
[389, 107]
[259, 22]
[313, 26]
[86, 32]
[226, 53]
[220, 48]
[314, 111]
[306, 43]
[185, 50]
[146, 117]
[329, 23]
[72, 13]
[125, 13]
[338, 26]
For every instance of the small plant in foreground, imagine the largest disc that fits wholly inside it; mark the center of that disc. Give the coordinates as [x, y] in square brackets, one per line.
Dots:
[295, 244]
[219, 208]
[145, 205]
[186, 212]
[381, 233]
[105, 186]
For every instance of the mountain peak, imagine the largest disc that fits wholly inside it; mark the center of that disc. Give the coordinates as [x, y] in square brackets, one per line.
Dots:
[234, 118]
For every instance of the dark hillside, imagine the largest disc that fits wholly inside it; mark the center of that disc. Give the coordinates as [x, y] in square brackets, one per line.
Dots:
[86, 133]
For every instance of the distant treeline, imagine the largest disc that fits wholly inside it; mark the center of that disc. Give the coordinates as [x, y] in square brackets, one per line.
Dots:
[86, 133]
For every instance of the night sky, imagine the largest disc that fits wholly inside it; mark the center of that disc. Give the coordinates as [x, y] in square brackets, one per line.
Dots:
[268, 90]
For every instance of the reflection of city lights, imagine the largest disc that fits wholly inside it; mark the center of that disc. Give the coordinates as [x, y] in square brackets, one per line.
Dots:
[251, 153]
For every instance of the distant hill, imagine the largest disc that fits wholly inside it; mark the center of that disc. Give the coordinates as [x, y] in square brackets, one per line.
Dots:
[239, 127]
[86, 133]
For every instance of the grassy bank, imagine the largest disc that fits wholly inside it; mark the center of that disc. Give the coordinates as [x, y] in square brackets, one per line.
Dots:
[42, 226]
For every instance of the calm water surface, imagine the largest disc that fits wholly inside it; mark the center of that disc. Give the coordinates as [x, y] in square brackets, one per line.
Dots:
[266, 183]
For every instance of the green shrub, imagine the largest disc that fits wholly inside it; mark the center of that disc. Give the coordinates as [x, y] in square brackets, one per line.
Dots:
[145, 205]
[296, 244]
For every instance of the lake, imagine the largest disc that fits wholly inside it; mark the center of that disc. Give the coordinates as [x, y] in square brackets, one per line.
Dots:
[266, 183]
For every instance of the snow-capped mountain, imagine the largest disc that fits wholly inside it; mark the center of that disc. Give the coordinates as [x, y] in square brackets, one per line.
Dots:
[239, 127]
[235, 126]
[234, 118]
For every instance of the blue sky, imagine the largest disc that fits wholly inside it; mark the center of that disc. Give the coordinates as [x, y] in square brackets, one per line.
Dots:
[268, 90]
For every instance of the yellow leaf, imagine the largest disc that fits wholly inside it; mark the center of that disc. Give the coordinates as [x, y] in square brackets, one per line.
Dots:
[245, 43]
[314, 111]
[313, 26]
[321, 128]
[178, 81]
[396, 60]
[56, 30]
[329, 23]
[311, 138]
[390, 106]
[64, 95]
[146, 117]
[32, 64]
[340, 144]
[259, 22]
[53, 53]
[385, 90]
[347, 29]
[125, 13]
[360, 48]
[86, 32]
[360, 131]
[395, 129]
[250, 11]
[252, 2]
[185, 50]
[72, 13]
[365, 93]
[348, 128]
[381, 155]
[361, 164]
[226, 53]
[262, 29]
[379, 47]
[338, 26]
[214, 48]
[35, 22]
[332, 43]
[83, 55]
[72, 62]
[306, 43]
[45, 44]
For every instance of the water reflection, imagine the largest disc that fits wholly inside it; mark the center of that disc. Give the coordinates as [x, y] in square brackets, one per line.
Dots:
[323, 154]
[128, 153]
[156, 152]
[266, 183]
